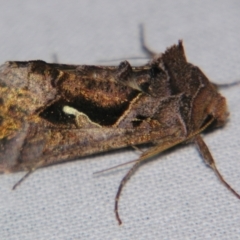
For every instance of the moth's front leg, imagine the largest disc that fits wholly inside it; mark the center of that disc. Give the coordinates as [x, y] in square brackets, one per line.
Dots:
[204, 151]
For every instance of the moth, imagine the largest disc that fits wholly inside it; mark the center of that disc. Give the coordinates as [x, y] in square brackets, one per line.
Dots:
[51, 113]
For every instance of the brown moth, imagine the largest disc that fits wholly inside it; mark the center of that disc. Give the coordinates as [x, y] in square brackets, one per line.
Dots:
[50, 113]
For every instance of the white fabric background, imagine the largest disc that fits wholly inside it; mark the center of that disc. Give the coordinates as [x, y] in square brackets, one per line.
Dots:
[173, 197]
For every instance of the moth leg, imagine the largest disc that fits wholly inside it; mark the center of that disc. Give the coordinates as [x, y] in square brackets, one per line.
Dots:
[30, 171]
[204, 151]
[123, 182]
[137, 148]
[153, 151]
[144, 46]
[22, 179]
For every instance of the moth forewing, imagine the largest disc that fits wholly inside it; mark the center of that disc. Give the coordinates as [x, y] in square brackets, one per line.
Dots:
[50, 113]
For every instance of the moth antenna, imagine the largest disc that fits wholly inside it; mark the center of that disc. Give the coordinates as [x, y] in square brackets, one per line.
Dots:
[227, 85]
[122, 59]
[122, 164]
[55, 58]
[204, 151]
[108, 169]
[27, 174]
[122, 183]
[144, 46]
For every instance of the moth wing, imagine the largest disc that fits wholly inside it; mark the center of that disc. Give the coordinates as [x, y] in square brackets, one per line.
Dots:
[39, 146]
